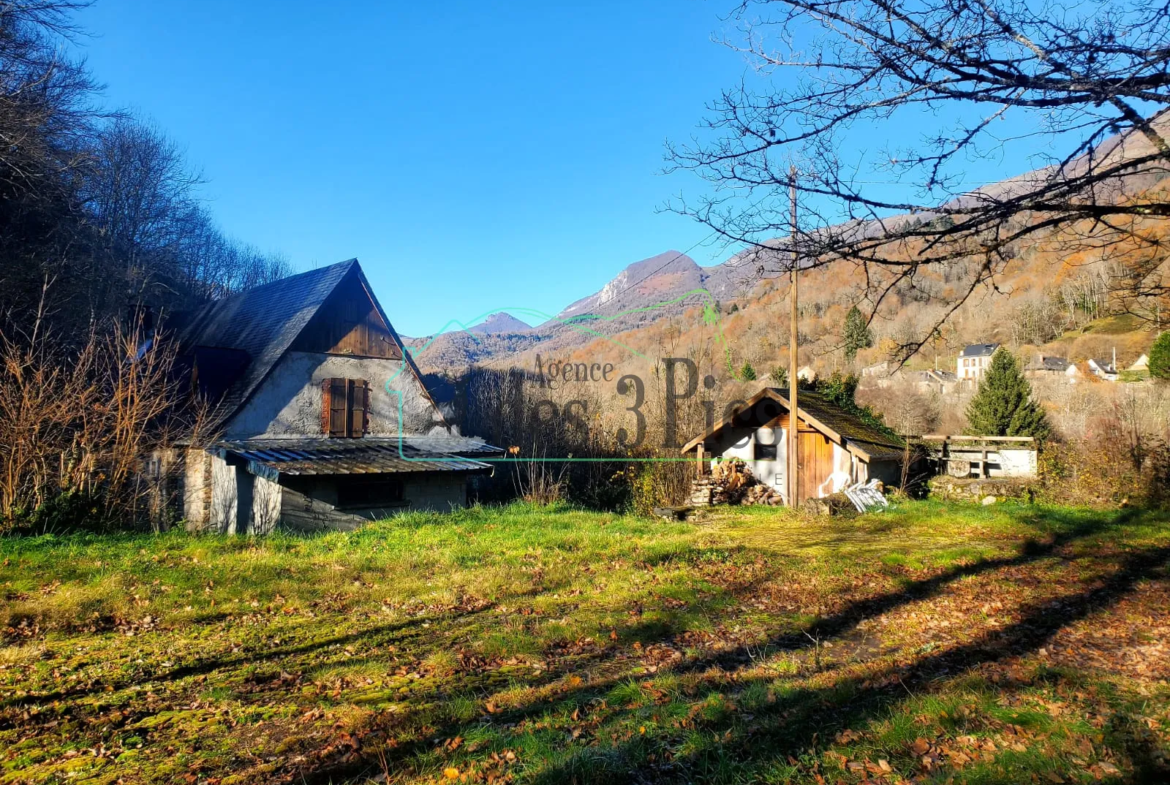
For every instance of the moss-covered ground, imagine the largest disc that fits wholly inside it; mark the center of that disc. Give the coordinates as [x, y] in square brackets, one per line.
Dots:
[930, 643]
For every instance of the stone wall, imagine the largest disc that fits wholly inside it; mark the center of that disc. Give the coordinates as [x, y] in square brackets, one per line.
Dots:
[310, 503]
[980, 490]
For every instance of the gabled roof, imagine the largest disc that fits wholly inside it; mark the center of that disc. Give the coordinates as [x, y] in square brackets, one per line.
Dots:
[842, 427]
[1104, 366]
[979, 350]
[1050, 364]
[262, 323]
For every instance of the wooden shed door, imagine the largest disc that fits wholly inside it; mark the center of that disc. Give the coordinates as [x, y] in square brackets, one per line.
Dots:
[816, 462]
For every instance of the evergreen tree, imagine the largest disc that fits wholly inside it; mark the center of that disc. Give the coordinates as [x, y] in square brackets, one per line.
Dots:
[747, 373]
[1003, 406]
[856, 334]
[780, 375]
[1160, 357]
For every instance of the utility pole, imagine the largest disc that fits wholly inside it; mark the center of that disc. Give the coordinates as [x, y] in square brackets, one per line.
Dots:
[793, 426]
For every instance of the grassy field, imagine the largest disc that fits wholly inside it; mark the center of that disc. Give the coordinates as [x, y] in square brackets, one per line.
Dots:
[928, 644]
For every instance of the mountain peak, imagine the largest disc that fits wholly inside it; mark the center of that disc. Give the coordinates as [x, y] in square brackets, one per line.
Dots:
[642, 282]
[500, 322]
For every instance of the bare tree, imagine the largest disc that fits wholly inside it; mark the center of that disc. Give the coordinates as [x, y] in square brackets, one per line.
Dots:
[1087, 80]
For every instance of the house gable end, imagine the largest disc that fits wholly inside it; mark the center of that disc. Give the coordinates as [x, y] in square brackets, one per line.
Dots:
[349, 323]
[349, 337]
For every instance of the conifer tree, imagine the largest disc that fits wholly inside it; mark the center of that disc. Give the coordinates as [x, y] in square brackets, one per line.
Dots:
[1003, 406]
[856, 334]
[747, 373]
[1160, 357]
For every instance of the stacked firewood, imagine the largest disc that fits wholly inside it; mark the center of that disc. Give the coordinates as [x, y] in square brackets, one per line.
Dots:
[731, 482]
[762, 494]
[705, 492]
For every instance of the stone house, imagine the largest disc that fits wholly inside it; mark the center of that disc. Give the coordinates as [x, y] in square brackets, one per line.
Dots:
[1047, 367]
[319, 414]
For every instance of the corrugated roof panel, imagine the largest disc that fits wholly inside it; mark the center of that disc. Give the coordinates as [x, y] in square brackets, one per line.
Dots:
[362, 456]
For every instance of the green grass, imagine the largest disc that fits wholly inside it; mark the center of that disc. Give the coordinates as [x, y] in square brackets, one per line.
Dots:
[1115, 325]
[936, 643]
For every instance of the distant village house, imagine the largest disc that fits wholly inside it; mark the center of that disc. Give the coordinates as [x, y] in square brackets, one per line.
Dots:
[1052, 368]
[974, 360]
[1104, 369]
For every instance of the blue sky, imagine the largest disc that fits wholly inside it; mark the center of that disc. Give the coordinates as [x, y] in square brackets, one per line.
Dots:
[471, 155]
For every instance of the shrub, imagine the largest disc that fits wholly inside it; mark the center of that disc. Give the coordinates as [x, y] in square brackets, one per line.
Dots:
[660, 484]
[1103, 472]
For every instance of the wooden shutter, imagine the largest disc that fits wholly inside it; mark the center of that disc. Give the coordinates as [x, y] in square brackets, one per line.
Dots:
[359, 407]
[337, 407]
[326, 389]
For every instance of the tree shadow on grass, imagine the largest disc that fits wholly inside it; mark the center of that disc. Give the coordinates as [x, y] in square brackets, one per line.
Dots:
[797, 719]
[794, 722]
[368, 636]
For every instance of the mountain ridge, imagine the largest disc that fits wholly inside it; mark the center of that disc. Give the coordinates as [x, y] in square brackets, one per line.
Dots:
[500, 322]
[626, 302]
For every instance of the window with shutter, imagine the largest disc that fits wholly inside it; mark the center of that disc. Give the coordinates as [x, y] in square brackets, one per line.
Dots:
[326, 388]
[338, 407]
[345, 407]
[359, 397]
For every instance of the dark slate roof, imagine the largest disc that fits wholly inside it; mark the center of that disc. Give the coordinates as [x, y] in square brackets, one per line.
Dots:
[933, 377]
[261, 322]
[1051, 364]
[979, 350]
[386, 455]
[851, 429]
[1106, 366]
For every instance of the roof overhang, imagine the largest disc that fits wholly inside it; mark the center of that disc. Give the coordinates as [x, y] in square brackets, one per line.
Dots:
[274, 458]
[865, 450]
[767, 392]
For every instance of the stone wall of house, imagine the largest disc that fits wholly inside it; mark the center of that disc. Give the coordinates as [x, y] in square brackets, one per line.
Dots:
[223, 515]
[288, 403]
[310, 506]
[196, 489]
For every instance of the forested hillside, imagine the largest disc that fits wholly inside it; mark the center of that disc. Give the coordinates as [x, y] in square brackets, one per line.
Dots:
[103, 229]
[1047, 290]
[100, 213]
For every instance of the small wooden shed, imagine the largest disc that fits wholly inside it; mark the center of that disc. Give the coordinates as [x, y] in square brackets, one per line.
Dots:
[836, 447]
